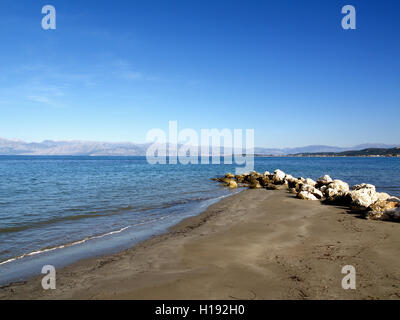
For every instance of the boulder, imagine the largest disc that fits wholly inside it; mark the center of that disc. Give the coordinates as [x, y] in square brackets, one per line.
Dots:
[292, 190]
[240, 178]
[314, 191]
[292, 183]
[229, 175]
[383, 210]
[337, 192]
[225, 180]
[305, 195]
[279, 176]
[323, 188]
[363, 195]
[264, 181]
[290, 178]
[267, 173]
[382, 206]
[310, 182]
[232, 184]
[323, 181]
[363, 186]
[254, 184]
[394, 199]
[382, 195]
[271, 186]
[336, 188]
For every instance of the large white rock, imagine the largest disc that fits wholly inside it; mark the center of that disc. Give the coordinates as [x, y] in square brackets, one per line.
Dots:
[314, 191]
[305, 195]
[290, 178]
[267, 173]
[363, 195]
[279, 176]
[322, 181]
[364, 186]
[310, 182]
[336, 188]
[383, 195]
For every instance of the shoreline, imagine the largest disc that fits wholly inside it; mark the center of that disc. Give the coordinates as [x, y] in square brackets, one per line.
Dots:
[256, 244]
[57, 253]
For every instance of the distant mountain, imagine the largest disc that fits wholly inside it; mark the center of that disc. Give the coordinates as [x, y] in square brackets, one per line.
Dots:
[320, 148]
[48, 147]
[87, 148]
[356, 153]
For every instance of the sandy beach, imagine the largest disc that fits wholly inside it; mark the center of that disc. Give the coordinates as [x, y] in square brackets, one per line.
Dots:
[258, 244]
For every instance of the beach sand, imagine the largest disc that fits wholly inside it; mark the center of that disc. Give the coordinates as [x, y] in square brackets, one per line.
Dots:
[258, 244]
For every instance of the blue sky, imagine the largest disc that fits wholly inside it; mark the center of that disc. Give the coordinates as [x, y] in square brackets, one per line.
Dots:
[112, 70]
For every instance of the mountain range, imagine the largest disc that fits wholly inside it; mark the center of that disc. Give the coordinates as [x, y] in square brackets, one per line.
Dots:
[88, 148]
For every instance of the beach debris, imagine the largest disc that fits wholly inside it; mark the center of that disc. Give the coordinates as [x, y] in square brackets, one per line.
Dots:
[361, 197]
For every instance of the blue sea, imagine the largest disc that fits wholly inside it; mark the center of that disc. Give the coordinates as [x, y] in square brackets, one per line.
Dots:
[57, 210]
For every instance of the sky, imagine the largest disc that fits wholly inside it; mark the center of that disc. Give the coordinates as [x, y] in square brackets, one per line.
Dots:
[113, 70]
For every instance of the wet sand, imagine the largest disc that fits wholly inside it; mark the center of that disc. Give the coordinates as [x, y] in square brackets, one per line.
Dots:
[258, 244]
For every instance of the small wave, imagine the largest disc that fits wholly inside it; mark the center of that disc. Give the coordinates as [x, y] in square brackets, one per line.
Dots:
[43, 250]
[172, 203]
[99, 214]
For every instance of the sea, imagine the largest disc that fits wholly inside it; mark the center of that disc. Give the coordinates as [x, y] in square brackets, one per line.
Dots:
[56, 210]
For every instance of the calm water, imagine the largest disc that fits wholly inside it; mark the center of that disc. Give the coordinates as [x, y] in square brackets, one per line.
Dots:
[55, 210]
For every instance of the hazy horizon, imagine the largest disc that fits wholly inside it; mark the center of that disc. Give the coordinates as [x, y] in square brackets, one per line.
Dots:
[288, 70]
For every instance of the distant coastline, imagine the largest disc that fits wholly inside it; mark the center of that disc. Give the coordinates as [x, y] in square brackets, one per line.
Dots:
[369, 152]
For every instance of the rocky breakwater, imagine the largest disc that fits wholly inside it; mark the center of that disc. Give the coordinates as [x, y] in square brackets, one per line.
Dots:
[362, 198]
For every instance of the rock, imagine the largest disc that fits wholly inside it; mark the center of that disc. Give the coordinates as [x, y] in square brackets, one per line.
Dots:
[292, 183]
[229, 175]
[382, 206]
[254, 183]
[279, 176]
[337, 192]
[256, 175]
[364, 186]
[267, 173]
[382, 195]
[240, 178]
[271, 186]
[323, 188]
[310, 182]
[292, 190]
[314, 191]
[336, 188]
[323, 181]
[394, 199]
[363, 195]
[264, 181]
[225, 180]
[232, 184]
[290, 178]
[305, 195]
[384, 210]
